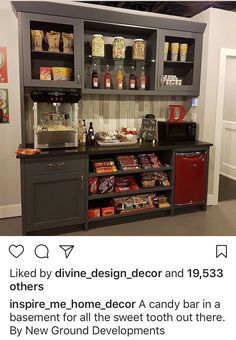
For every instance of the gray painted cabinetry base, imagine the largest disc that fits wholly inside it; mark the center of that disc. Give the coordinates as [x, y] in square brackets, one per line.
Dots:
[55, 196]
[53, 192]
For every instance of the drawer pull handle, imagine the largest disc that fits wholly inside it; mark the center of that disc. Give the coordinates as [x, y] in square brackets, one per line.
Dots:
[82, 182]
[51, 165]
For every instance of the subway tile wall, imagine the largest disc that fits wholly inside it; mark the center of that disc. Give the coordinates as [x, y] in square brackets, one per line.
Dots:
[109, 112]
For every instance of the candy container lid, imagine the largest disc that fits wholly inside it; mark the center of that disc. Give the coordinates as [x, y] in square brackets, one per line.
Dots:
[98, 35]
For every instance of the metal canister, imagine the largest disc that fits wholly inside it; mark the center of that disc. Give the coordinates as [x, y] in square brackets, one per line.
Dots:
[118, 48]
[98, 46]
[138, 51]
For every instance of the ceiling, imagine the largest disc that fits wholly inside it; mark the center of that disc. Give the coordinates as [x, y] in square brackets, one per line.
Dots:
[180, 8]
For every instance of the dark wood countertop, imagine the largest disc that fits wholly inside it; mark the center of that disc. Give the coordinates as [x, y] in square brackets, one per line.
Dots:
[145, 147]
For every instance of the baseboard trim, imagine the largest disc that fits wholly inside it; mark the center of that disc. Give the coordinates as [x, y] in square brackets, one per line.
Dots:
[211, 200]
[10, 210]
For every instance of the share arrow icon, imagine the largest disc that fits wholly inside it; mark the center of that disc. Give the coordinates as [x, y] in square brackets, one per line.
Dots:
[67, 249]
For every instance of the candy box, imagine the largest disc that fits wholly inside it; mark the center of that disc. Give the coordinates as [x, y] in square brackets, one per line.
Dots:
[45, 73]
[108, 211]
[93, 213]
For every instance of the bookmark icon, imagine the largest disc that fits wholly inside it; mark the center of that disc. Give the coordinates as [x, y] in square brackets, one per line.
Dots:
[67, 249]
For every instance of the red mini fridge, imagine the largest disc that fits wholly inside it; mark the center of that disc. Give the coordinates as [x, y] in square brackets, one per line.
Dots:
[190, 170]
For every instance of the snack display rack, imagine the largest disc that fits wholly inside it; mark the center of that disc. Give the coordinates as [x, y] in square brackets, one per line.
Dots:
[97, 200]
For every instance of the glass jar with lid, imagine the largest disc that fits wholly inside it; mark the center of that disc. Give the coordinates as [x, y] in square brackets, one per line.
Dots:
[138, 51]
[98, 46]
[118, 48]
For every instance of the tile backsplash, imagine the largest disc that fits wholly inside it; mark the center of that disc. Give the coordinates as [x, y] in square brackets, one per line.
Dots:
[108, 112]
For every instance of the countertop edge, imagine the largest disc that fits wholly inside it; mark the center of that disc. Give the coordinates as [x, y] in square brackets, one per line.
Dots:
[87, 150]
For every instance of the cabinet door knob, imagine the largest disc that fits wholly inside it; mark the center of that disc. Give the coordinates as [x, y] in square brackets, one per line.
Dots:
[82, 182]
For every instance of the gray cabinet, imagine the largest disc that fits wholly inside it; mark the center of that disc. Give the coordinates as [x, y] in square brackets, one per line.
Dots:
[54, 192]
[188, 72]
[129, 34]
[33, 59]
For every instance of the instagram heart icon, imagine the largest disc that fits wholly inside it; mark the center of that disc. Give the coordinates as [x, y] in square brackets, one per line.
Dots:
[16, 251]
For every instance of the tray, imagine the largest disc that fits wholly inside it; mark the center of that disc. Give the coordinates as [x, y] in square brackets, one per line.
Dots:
[27, 152]
[115, 143]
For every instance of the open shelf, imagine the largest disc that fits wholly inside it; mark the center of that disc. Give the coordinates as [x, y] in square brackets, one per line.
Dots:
[128, 193]
[120, 92]
[178, 62]
[106, 60]
[53, 54]
[109, 32]
[129, 213]
[128, 172]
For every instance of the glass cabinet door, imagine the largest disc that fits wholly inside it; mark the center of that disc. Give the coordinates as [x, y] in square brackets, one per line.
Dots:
[119, 51]
[179, 62]
[51, 51]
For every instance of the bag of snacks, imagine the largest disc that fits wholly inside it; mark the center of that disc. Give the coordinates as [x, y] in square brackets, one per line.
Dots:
[148, 180]
[93, 185]
[106, 184]
[53, 39]
[37, 40]
[162, 179]
[68, 42]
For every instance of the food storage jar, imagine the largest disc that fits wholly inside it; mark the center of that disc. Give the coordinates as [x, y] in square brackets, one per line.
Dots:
[138, 51]
[118, 48]
[98, 45]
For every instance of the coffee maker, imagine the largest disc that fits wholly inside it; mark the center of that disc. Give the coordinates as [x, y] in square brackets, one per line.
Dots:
[55, 118]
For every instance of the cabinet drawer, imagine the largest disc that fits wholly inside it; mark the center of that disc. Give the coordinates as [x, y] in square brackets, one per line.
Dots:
[58, 164]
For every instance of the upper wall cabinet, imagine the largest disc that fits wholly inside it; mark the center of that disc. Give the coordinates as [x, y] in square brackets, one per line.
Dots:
[179, 63]
[123, 53]
[121, 58]
[51, 51]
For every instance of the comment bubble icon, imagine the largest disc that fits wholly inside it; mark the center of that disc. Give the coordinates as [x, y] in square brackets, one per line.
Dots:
[42, 251]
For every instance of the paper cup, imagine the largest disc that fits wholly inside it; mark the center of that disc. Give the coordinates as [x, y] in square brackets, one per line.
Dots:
[174, 51]
[183, 51]
[166, 48]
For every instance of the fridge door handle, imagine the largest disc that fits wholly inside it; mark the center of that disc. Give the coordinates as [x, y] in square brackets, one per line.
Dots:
[193, 159]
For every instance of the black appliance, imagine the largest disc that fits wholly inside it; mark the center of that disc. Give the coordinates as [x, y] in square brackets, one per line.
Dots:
[176, 131]
[72, 96]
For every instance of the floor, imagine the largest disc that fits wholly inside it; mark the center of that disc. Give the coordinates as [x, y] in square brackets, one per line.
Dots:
[217, 220]
[227, 189]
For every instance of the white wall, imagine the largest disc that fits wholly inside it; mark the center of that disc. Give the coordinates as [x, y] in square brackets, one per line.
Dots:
[10, 133]
[221, 28]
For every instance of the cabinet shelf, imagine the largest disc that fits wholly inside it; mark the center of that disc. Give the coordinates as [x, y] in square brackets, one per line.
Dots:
[178, 62]
[132, 212]
[110, 60]
[120, 92]
[128, 193]
[128, 172]
[47, 54]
